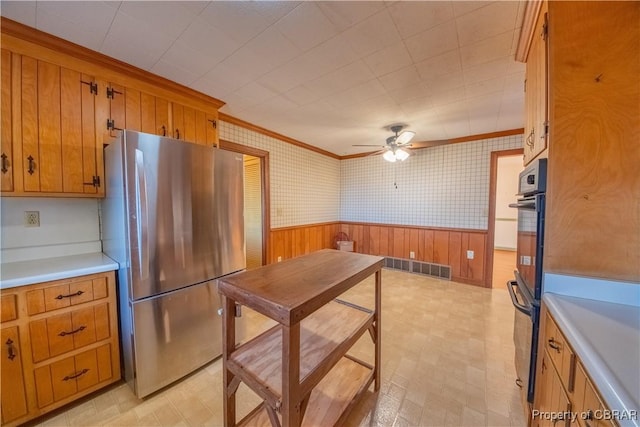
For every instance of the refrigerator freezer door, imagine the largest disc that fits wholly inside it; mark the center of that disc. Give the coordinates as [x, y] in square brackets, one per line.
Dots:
[175, 333]
[184, 207]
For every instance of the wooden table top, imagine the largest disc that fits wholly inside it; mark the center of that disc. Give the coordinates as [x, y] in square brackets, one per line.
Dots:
[289, 291]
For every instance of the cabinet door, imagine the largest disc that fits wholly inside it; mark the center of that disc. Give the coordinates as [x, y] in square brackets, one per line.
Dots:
[194, 125]
[6, 134]
[154, 114]
[59, 149]
[536, 101]
[177, 120]
[13, 397]
[550, 398]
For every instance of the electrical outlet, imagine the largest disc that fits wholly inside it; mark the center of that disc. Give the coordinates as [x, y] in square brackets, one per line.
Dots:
[279, 259]
[412, 255]
[31, 218]
[470, 254]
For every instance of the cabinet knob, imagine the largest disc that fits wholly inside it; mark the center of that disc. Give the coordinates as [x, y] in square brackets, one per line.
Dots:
[554, 345]
[32, 165]
[75, 331]
[73, 377]
[75, 294]
[5, 163]
[11, 352]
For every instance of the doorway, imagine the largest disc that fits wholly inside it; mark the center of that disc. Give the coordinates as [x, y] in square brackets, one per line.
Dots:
[253, 211]
[503, 220]
[256, 201]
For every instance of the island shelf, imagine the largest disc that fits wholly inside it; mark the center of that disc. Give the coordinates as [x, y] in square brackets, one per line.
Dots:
[300, 367]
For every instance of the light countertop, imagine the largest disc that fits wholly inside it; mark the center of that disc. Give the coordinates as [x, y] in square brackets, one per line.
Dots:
[44, 270]
[606, 338]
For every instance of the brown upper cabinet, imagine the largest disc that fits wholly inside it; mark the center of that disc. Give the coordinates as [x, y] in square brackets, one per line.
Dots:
[192, 125]
[536, 128]
[49, 133]
[6, 135]
[61, 103]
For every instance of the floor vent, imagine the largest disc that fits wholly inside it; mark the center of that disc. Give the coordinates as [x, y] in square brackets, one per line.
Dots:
[419, 267]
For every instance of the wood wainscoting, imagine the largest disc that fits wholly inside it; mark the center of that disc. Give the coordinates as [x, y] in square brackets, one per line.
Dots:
[289, 242]
[436, 245]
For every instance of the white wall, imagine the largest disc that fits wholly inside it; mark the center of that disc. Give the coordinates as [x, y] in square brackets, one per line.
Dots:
[506, 225]
[67, 227]
[305, 186]
[445, 186]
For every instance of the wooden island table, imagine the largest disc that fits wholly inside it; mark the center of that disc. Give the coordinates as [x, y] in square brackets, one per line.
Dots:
[300, 367]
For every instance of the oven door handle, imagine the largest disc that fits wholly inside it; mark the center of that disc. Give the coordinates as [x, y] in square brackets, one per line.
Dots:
[524, 205]
[514, 299]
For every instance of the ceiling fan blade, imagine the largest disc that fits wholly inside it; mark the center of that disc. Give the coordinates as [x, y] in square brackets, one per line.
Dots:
[367, 145]
[375, 153]
[427, 144]
[405, 137]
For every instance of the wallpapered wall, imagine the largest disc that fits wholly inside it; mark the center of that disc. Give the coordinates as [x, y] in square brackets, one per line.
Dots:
[445, 186]
[305, 186]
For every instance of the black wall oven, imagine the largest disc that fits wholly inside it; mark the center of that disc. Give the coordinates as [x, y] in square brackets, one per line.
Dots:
[526, 289]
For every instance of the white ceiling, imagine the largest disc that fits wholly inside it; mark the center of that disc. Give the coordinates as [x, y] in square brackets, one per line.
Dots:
[330, 74]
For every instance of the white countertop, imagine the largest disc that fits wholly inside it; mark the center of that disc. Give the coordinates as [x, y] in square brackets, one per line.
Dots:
[606, 338]
[44, 270]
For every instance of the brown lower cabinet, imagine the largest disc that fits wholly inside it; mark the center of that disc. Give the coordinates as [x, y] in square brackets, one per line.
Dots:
[565, 395]
[60, 342]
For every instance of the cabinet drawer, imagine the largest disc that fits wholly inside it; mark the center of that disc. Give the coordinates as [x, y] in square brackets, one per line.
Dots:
[62, 333]
[66, 294]
[560, 352]
[9, 308]
[72, 375]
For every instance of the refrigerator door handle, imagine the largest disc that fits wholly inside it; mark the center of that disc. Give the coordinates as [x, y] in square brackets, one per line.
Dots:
[141, 215]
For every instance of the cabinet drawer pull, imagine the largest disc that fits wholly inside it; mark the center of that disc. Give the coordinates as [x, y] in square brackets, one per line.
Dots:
[177, 133]
[64, 333]
[77, 294]
[73, 377]
[32, 165]
[11, 352]
[554, 345]
[164, 130]
[588, 417]
[5, 163]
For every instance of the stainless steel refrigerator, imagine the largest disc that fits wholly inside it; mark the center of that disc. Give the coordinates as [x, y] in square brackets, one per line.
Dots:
[173, 220]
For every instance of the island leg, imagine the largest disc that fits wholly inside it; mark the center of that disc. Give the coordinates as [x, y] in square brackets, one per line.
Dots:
[378, 341]
[228, 346]
[291, 398]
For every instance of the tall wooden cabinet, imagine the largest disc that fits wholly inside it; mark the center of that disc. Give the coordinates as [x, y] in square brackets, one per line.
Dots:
[593, 121]
[61, 103]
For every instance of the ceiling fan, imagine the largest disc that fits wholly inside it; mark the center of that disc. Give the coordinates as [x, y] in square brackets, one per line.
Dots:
[396, 145]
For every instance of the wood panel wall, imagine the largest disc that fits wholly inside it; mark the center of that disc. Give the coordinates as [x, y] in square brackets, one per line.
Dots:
[289, 242]
[435, 245]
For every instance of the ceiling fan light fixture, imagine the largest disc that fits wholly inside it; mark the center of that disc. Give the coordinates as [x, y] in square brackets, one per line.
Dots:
[389, 156]
[401, 154]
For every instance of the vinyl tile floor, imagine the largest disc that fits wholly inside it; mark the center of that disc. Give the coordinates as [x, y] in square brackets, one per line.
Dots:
[447, 360]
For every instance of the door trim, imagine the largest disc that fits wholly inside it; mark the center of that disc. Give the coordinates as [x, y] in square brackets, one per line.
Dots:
[491, 225]
[266, 197]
